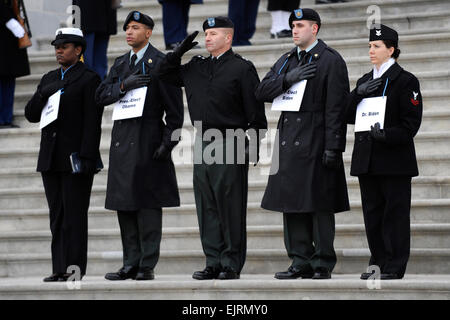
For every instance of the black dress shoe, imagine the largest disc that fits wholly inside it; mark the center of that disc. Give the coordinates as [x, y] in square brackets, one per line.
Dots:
[228, 273]
[207, 274]
[53, 278]
[65, 277]
[390, 276]
[321, 273]
[124, 273]
[281, 34]
[365, 275]
[145, 273]
[294, 273]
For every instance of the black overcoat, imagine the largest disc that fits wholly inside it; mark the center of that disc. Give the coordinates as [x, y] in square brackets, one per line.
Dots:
[13, 61]
[302, 183]
[135, 180]
[78, 127]
[395, 156]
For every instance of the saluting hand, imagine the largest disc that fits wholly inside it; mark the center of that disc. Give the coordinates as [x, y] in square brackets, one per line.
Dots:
[298, 74]
[187, 44]
[369, 87]
[135, 80]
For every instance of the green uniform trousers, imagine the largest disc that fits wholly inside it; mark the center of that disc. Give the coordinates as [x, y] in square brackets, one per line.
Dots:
[221, 199]
[141, 236]
[309, 239]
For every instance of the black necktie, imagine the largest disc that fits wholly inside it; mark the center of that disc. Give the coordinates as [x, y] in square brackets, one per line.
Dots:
[302, 56]
[133, 61]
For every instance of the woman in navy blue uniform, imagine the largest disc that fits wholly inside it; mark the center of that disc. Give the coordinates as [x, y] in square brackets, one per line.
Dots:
[76, 130]
[384, 157]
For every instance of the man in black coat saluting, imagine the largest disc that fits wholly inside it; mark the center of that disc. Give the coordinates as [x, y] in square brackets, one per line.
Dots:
[141, 176]
[309, 186]
[220, 90]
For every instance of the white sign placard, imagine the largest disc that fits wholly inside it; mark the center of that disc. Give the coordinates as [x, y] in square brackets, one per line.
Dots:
[291, 100]
[131, 105]
[369, 112]
[50, 111]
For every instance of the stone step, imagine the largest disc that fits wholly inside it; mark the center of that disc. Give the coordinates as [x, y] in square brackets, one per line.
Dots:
[435, 128]
[422, 261]
[435, 104]
[422, 211]
[340, 10]
[352, 236]
[340, 27]
[264, 56]
[258, 286]
[26, 177]
[32, 198]
[429, 80]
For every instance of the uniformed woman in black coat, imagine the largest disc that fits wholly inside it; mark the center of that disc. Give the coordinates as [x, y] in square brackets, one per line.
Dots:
[77, 129]
[384, 158]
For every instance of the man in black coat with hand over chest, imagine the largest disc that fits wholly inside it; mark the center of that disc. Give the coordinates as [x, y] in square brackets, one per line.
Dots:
[141, 176]
[309, 186]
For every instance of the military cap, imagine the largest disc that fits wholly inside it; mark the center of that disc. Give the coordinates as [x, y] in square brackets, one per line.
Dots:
[217, 22]
[138, 17]
[69, 35]
[382, 32]
[304, 14]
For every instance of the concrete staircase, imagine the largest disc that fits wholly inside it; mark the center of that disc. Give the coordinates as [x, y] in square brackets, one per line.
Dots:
[424, 28]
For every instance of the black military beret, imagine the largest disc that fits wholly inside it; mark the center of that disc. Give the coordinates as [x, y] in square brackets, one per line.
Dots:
[69, 35]
[382, 32]
[217, 22]
[138, 17]
[304, 14]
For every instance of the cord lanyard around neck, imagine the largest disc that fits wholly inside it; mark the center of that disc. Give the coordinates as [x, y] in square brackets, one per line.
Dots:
[385, 87]
[63, 73]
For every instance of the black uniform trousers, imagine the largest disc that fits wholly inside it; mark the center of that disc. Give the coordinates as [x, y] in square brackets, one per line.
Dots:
[221, 199]
[309, 239]
[68, 197]
[386, 202]
[141, 236]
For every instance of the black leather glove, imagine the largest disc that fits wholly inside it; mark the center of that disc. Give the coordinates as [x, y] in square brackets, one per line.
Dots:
[162, 153]
[377, 133]
[186, 45]
[49, 89]
[331, 159]
[368, 87]
[298, 74]
[135, 80]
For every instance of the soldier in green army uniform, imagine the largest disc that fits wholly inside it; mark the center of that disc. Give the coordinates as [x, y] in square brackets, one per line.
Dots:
[220, 90]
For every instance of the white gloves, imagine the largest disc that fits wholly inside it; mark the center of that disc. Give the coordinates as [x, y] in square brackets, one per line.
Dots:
[15, 28]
